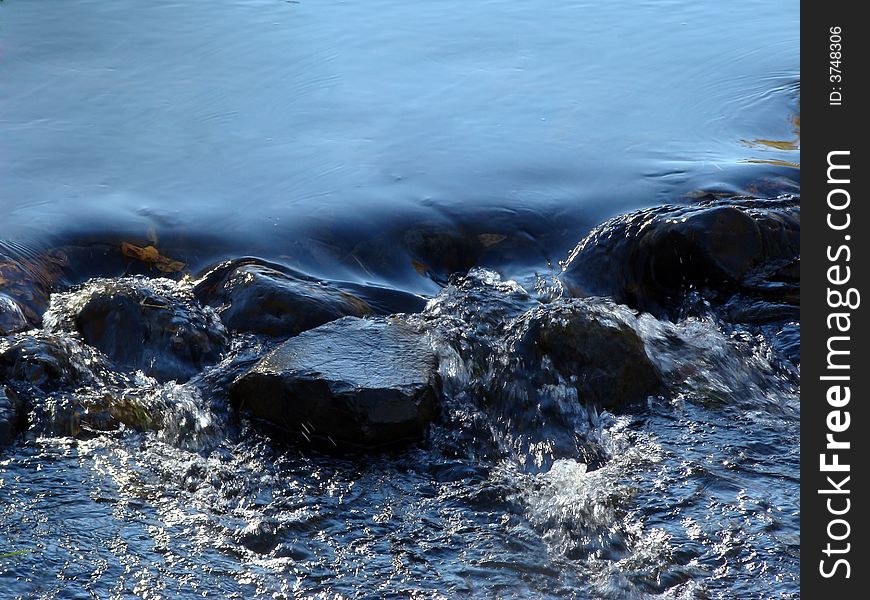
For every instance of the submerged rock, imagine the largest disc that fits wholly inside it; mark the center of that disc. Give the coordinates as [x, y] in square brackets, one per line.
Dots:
[256, 298]
[358, 381]
[12, 418]
[508, 341]
[650, 258]
[593, 345]
[60, 386]
[150, 324]
[52, 377]
[526, 379]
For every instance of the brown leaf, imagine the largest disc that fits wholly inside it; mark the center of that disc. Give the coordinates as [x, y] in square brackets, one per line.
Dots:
[419, 267]
[152, 257]
[167, 265]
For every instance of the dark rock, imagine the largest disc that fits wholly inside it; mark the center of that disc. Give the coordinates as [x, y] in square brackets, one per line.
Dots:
[150, 324]
[12, 419]
[592, 343]
[69, 388]
[472, 315]
[482, 301]
[36, 366]
[12, 318]
[260, 299]
[363, 382]
[259, 537]
[503, 334]
[650, 258]
[47, 362]
[27, 278]
[532, 373]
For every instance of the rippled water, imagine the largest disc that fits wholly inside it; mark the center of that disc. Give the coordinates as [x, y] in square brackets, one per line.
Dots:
[333, 137]
[102, 517]
[693, 495]
[319, 131]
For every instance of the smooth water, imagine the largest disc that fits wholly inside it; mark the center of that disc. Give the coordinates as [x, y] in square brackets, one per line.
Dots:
[330, 136]
[317, 132]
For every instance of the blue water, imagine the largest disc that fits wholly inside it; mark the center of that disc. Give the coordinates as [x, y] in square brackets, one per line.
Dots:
[326, 135]
[308, 129]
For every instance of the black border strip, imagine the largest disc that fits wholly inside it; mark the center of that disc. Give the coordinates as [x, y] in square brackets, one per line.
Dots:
[834, 258]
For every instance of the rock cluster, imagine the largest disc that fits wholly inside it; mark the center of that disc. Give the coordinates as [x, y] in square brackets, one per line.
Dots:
[333, 365]
[152, 325]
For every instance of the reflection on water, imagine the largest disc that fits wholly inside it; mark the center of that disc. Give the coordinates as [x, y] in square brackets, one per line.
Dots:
[793, 144]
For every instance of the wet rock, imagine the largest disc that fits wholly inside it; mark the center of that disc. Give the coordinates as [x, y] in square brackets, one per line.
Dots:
[472, 315]
[650, 258]
[47, 362]
[482, 301]
[259, 537]
[27, 278]
[503, 334]
[12, 318]
[49, 375]
[593, 344]
[12, 419]
[257, 298]
[363, 382]
[150, 324]
[71, 389]
[525, 379]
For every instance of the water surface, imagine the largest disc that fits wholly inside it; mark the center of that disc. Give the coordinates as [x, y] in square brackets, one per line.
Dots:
[333, 137]
[315, 130]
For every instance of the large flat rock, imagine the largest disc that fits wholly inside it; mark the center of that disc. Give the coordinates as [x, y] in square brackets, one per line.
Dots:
[366, 382]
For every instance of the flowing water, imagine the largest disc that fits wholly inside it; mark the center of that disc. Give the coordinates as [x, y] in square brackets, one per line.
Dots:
[692, 495]
[319, 131]
[391, 143]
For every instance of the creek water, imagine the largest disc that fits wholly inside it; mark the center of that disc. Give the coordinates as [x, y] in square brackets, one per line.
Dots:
[320, 131]
[333, 137]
